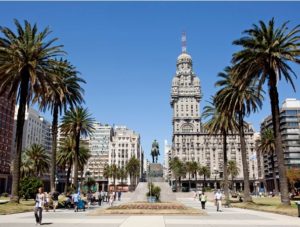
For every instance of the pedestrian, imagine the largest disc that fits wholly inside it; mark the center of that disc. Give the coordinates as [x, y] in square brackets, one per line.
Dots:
[47, 201]
[111, 199]
[203, 199]
[218, 199]
[38, 208]
[89, 198]
[119, 195]
[55, 195]
[75, 199]
[106, 196]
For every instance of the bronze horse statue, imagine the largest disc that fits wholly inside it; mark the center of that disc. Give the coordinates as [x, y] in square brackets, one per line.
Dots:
[155, 151]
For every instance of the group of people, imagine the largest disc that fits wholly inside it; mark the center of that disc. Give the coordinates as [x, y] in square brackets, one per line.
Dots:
[218, 196]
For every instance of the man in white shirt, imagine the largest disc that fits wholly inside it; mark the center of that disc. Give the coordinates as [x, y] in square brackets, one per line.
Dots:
[39, 204]
[218, 198]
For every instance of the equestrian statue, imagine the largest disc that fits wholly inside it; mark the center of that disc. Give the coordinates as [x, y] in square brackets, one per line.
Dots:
[155, 151]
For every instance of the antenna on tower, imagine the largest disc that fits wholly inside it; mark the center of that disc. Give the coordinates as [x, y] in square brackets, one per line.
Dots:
[183, 42]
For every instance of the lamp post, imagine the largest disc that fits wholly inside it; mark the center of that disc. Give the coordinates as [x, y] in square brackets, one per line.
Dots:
[215, 173]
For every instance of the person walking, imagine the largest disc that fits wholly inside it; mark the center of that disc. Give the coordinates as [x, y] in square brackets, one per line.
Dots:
[38, 208]
[89, 199]
[111, 199]
[75, 199]
[203, 199]
[47, 201]
[55, 195]
[101, 197]
[218, 198]
[119, 195]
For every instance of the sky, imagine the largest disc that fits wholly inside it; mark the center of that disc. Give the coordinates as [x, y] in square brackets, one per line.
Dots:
[127, 51]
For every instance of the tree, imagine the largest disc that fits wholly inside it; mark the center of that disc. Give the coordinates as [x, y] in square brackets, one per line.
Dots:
[266, 145]
[40, 159]
[27, 166]
[178, 169]
[67, 92]
[77, 122]
[122, 175]
[90, 181]
[265, 54]
[66, 155]
[205, 171]
[194, 167]
[189, 170]
[114, 171]
[239, 101]
[133, 169]
[293, 176]
[233, 170]
[29, 187]
[220, 122]
[26, 67]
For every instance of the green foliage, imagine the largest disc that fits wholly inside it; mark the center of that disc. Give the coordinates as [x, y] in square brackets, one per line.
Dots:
[4, 194]
[29, 187]
[153, 191]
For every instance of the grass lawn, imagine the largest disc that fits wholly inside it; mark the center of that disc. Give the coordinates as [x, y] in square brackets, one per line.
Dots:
[268, 204]
[10, 208]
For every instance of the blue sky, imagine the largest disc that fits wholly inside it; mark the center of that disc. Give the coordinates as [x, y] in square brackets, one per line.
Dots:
[126, 51]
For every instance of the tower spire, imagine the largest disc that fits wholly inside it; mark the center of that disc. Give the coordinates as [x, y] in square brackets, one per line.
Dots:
[183, 42]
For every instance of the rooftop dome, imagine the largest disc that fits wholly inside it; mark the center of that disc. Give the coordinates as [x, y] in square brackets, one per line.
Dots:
[184, 57]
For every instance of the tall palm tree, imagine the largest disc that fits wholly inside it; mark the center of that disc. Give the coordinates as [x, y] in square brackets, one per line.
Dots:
[178, 170]
[68, 92]
[266, 52]
[40, 159]
[114, 171]
[27, 166]
[77, 122]
[220, 122]
[240, 101]
[205, 171]
[233, 170]
[26, 67]
[133, 169]
[66, 155]
[266, 145]
[194, 167]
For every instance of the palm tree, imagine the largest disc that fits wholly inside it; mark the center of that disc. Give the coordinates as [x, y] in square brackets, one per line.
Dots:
[179, 170]
[189, 170]
[26, 67]
[122, 174]
[68, 92]
[224, 123]
[114, 171]
[77, 122]
[240, 101]
[266, 145]
[205, 171]
[40, 159]
[194, 167]
[133, 169]
[266, 51]
[27, 167]
[233, 170]
[66, 155]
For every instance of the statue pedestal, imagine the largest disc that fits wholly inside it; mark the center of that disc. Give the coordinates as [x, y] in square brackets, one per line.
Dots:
[155, 173]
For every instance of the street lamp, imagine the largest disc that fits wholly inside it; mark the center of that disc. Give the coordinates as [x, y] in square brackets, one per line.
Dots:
[215, 173]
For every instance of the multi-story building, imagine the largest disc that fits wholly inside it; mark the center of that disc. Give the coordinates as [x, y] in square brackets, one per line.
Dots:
[99, 148]
[7, 108]
[37, 130]
[167, 158]
[290, 134]
[190, 142]
[125, 144]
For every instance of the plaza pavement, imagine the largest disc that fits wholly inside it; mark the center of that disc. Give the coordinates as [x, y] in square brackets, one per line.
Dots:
[232, 217]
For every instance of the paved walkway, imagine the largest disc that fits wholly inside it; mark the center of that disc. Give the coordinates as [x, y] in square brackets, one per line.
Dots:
[230, 217]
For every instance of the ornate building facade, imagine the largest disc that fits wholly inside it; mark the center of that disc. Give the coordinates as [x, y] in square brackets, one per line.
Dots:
[190, 142]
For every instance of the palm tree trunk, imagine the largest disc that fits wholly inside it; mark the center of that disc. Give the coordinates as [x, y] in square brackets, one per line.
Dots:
[67, 178]
[19, 135]
[274, 174]
[247, 196]
[226, 191]
[189, 182]
[77, 143]
[196, 180]
[285, 200]
[54, 148]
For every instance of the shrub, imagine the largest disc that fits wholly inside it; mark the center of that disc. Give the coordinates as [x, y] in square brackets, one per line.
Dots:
[4, 194]
[155, 191]
[29, 187]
